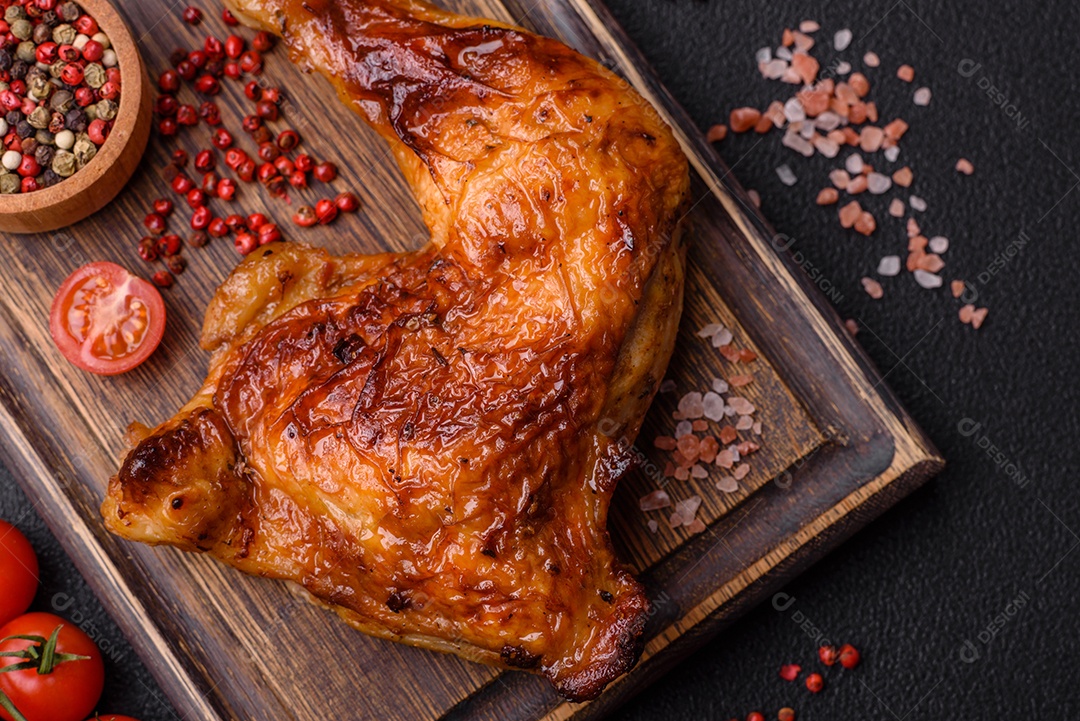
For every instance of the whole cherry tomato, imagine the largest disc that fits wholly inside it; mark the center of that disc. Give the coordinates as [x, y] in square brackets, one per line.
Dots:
[18, 573]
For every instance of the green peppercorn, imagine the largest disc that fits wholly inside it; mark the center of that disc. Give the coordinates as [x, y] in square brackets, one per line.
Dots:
[39, 87]
[56, 68]
[45, 137]
[63, 164]
[10, 183]
[94, 75]
[84, 150]
[107, 109]
[14, 13]
[91, 113]
[39, 119]
[27, 52]
[22, 29]
[64, 34]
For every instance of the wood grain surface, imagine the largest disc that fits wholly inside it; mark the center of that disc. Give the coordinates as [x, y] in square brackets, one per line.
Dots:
[838, 449]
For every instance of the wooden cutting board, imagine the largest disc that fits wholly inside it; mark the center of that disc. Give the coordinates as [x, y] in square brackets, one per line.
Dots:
[837, 449]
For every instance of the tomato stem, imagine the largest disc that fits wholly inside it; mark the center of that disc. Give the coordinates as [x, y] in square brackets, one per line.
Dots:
[7, 705]
[41, 656]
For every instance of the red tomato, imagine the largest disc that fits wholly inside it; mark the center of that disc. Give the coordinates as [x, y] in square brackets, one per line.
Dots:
[111, 717]
[105, 320]
[18, 573]
[70, 691]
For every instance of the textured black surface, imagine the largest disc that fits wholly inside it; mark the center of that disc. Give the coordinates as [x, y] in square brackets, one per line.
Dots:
[934, 572]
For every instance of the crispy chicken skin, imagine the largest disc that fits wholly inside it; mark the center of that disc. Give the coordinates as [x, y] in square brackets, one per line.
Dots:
[428, 442]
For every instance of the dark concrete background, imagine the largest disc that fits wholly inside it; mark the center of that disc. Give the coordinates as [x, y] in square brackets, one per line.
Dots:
[991, 541]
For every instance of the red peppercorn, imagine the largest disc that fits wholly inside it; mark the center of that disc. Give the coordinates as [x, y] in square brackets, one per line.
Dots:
[197, 58]
[175, 263]
[68, 53]
[207, 85]
[222, 139]
[192, 15]
[148, 250]
[298, 179]
[217, 228]
[46, 52]
[269, 233]
[273, 95]
[262, 135]
[201, 218]
[348, 203]
[84, 96]
[110, 90]
[168, 244]
[186, 70]
[253, 91]
[267, 171]
[256, 221]
[93, 51]
[226, 189]
[790, 671]
[154, 223]
[814, 682]
[187, 116]
[232, 70]
[162, 279]
[304, 163]
[28, 167]
[326, 210]
[199, 238]
[325, 172]
[263, 41]
[827, 654]
[213, 47]
[234, 46]
[236, 222]
[210, 182]
[10, 100]
[785, 714]
[182, 184]
[755, 716]
[288, 139]
[234, 156]
[27, 106]
[849, 656]
[245, 243]
[305, 216]
[196, 198]
[210, 113]
[251, 62]
[98, 131]
[163, 207]
[180, 158]
[284, 166]
[166, 105]
[269, 152]
[176, 56]
[28, 184]
[251, 123]
[86, 25]
[246, 170]
[267, 110]
[205, 160]
[169, 81]
[72, 74]
[228, 18]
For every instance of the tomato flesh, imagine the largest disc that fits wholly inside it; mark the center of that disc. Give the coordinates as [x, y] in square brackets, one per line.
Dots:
[105, 320]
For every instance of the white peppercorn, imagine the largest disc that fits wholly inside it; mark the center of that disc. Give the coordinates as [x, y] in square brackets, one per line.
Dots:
[65, 140]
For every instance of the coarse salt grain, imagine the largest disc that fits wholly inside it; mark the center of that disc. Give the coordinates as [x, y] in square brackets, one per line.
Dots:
[742, 406]
[741, 471]
[854, 163]
[713, 406]
[825, 146]
[889, 266]
[840, 178]
[843, 67]
[668, 386]
[957, 288]
[892, 153]
[690, 405]
[964, 166]
[655, 501]
[755, 197]
[797, 143]
[723, 336]
[842, 39]
[927, 280]
[744, 423]
[872, 288]
[763, 55]
[871, 60]
[905, 73]
[877, 183]
[684, 428]
[809, 26]
[896, 208]
[787, 177]
[727, 484]
[709, 330]
[719, 385]
[917, 203]
[653, 526]
[978, 317]
[939, 244]
[922, 97]
[698, 472]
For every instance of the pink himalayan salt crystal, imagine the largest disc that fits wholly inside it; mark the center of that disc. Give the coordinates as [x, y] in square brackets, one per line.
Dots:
[725, 458]
[695, 526]
[727, 484]
[742, 406]
[691, 405]
[741, 471]
[655, 501]
[872, 288]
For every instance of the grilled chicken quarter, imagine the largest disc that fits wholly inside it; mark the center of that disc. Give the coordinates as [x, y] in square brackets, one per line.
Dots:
[428, 442]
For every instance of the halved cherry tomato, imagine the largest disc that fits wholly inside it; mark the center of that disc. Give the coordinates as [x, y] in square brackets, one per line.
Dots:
[105, 320]
[18, 573]
[63, 688]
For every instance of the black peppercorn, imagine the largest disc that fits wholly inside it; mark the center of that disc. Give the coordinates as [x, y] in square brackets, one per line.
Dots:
[198, 239]
[62, 101]
[18, 70]
[25, 129]
[75, 120]
[43, 155]
[42, 34]
[30, 146]
[69, 12]
[13, 117]
[6, 60]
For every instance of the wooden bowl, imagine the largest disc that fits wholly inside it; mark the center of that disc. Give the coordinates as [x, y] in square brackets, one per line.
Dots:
[93, 187]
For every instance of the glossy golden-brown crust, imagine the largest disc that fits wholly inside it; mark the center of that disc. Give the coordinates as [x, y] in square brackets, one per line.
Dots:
[428, 442]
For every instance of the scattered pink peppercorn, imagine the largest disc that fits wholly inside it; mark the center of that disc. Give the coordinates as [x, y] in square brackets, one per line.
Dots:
[790, 671]
[849, 656]
[814, 683]
[192, 15]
